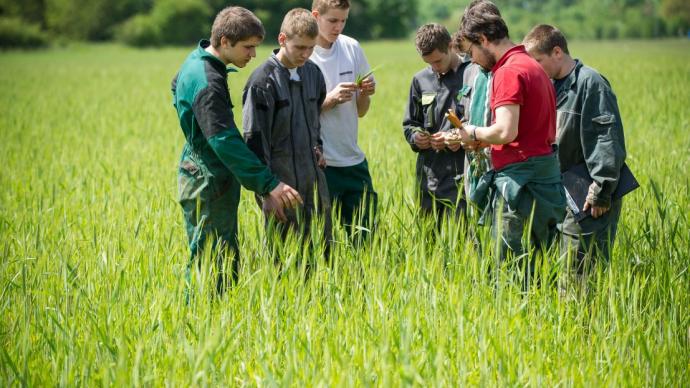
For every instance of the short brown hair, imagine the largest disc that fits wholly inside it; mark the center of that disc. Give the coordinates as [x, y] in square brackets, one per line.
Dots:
[544, 38]
[432, 37]
[482, 17]
[483, 6]
[456, 41]
[323, 6]
[299, 22]
[236, 24]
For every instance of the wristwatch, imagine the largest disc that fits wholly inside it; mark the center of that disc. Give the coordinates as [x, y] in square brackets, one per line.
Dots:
[473, 132]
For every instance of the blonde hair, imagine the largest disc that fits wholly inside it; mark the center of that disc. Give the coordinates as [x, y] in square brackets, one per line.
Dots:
[323, 6]
[299, 22]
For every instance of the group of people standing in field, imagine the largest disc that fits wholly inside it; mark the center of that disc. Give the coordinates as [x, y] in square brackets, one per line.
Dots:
[525, 114]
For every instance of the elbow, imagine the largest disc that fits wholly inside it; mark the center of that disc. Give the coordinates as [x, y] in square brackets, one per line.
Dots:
[505, 137]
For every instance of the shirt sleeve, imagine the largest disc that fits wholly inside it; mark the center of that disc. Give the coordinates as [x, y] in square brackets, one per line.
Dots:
[213, 112]
[322, 97]
[362, 63]
[257, 121]
[603, 143]
[507, 88]
[414, 117]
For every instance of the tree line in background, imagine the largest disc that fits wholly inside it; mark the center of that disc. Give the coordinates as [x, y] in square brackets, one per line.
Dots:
[34, 23]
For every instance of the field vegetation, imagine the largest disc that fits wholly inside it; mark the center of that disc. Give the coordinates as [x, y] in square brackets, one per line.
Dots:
[93, 249]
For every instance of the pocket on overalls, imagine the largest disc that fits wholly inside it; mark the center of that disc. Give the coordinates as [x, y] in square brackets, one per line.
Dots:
[428, 108]
[192, 182]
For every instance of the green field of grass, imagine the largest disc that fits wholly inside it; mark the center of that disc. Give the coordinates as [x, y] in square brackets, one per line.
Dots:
[94, 251]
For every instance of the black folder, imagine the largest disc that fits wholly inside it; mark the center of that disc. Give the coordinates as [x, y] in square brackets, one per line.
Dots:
[577, 181]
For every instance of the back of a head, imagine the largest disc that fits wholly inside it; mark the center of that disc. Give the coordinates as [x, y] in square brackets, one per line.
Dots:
[482, 17]
[544, 37]
[299, 22]
[456, 41]
[236, 24]
[432, 37]
[482, 6]
[323, 6]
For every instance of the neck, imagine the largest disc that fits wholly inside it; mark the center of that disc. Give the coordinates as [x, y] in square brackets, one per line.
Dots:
[281, 57]
[568, 66]
[501, 47]
[322, 42]
[454, 61]
[212, 50]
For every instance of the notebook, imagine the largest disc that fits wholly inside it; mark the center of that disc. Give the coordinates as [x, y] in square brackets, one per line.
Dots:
[576, 182]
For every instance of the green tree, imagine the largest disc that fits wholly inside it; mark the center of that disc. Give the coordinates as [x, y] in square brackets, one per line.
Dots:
[32, 11]
[677, 14]
[170, 22]
[90, 19]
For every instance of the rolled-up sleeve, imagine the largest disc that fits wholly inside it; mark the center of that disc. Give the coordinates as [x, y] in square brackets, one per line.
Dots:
[603, 143]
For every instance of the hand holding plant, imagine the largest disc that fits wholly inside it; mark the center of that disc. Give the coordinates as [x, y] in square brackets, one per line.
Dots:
[422, 138]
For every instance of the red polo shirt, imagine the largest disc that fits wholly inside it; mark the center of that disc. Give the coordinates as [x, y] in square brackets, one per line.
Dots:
[519, 79]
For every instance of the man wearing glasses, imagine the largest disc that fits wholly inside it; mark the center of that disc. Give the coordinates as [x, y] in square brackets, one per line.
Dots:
[523, 191]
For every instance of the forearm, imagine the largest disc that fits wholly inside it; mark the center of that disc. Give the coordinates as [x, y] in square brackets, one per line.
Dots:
[255, 144]
[329, 103]
[363, 102]
[503, 131]
[243, 163]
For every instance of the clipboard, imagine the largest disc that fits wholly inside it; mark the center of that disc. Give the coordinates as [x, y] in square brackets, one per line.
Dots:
[576, 182]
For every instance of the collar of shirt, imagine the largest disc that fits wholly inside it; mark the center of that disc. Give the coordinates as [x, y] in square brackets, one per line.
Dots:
[293, 73]
[452, 70]
[215, 61]
[515, 50]
[569, 80]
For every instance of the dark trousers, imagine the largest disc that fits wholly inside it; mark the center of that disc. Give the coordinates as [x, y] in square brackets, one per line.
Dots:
[353, 195]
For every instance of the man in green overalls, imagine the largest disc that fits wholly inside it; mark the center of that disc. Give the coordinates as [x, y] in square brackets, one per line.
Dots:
[215, 160]
[589, 131]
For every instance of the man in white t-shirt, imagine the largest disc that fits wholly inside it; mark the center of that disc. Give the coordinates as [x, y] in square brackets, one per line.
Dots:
[342, 61]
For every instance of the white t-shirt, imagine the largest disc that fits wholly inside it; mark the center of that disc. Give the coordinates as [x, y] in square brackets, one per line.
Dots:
[293, 74]
[341, 63]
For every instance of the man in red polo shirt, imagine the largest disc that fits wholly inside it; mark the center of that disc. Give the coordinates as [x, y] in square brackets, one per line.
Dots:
[524, 189]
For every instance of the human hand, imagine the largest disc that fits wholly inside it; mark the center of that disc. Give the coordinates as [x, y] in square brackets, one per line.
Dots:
[320, 159]
[596, 211]
[422, 140]
[454, 145]
[341, 93]
[283, 196]
[272, 207]
[438, 141]
[367, 87]
[474, 145]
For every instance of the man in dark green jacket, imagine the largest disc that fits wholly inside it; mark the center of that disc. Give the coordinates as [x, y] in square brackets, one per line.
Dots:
[215, 161]
[589, 131]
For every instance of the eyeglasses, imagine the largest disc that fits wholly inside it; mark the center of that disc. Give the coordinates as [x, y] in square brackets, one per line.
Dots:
[469, 50]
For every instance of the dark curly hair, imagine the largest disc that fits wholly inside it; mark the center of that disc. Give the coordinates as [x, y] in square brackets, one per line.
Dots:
[482, 17]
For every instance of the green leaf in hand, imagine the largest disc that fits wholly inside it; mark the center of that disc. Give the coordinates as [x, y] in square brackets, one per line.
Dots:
[361, 77]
